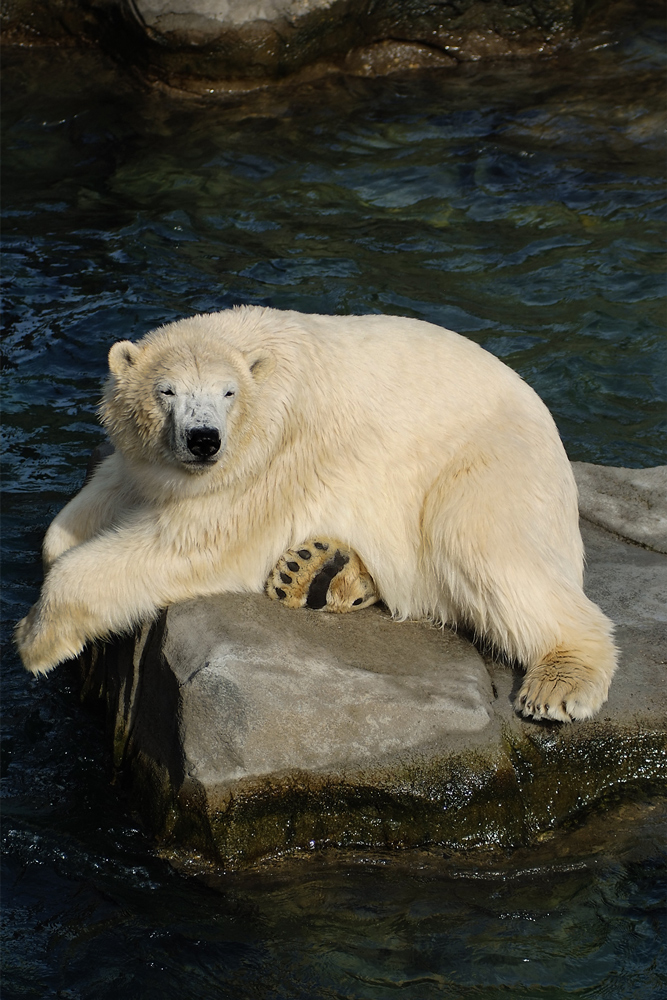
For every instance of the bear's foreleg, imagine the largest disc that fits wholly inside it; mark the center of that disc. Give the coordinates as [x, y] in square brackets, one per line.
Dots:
[95, 507]
[110, 584]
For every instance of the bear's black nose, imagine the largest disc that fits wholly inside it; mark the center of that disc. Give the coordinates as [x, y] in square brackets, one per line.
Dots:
[203, 442]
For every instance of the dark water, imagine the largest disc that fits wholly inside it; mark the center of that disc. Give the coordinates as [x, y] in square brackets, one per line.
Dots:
[519, 204]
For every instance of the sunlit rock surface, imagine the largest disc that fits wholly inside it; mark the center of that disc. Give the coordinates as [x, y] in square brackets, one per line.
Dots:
[244, 729]
[630, 502]
[227, 45]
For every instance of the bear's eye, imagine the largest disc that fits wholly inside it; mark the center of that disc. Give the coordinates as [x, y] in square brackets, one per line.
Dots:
[230, 392]
[167, 392]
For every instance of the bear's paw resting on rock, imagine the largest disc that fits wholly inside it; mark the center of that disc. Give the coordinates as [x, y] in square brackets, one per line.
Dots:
[324, 575]
[241, 435]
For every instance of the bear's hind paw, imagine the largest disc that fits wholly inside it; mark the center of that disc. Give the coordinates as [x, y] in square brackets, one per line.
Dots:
[561, 689]
[321, 574]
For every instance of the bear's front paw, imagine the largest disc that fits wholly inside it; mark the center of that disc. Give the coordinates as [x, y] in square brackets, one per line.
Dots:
[42, 644]
[322, 574]
[562, 689]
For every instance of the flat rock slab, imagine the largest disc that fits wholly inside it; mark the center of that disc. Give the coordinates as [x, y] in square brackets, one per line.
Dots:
[265, 689]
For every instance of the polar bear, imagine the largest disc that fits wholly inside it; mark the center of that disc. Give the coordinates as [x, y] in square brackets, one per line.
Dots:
[242, 434]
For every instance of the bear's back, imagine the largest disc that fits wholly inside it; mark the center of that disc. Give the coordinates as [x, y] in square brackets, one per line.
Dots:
[396, 381]
[390, 369]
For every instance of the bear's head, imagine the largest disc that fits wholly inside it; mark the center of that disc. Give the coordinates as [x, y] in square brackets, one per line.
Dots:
[181, 398]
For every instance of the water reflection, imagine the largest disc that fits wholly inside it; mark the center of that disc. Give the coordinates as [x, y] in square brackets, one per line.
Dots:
[584, 911]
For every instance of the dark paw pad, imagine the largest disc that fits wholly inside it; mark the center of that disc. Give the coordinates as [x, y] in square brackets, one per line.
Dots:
[322, 575]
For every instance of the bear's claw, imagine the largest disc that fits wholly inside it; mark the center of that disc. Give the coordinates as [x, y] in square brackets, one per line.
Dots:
[546, 694]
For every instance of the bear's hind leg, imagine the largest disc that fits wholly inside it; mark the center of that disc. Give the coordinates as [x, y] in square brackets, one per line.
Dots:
[100, 502]
[322, 574]
[505, 556]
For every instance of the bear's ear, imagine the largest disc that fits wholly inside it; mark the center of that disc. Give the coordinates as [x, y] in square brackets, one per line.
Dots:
[261, 363]
[122, 355]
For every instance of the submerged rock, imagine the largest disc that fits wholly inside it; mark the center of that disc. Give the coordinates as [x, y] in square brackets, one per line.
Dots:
[245, 729]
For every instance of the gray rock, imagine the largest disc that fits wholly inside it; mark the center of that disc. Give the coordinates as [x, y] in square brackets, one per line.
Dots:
[226, 12]
[245, 729]
[631, 502]
[314, 691]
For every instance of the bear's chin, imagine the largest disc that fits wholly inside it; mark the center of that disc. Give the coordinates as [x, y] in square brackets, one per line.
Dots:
[198, 468]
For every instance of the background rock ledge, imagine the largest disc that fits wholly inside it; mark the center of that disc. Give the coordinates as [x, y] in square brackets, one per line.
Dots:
[205, 46]
[630, 502]
[245, 730]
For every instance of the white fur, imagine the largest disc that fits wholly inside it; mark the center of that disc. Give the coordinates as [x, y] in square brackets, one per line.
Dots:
[412, 445]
